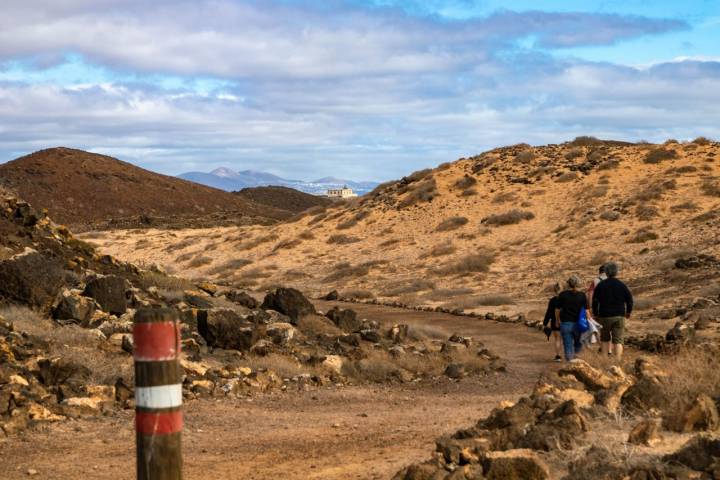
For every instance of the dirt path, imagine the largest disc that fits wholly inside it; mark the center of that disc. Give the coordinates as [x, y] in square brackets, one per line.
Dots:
[336, 433]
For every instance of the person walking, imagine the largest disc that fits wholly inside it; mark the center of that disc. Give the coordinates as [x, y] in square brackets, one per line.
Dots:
[570, 305]
[612, 305]
[551, 327]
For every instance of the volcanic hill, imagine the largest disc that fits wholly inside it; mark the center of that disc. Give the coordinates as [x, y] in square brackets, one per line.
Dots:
[86, 190]
[283, 198]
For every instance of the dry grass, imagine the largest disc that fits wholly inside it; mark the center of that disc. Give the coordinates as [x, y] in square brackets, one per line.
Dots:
[346, 271]
[287, 244]
[411, 286]
[647, 212]
[475, 263]
[683, 207]
[574, 153]
[424, 191]
[451, 223]
[440, 250]
[255, 242]
[466, 182]
[692, 372]
[525, 157]
[306, 235]
[508, 218]
[643, 235]
[230, 266]
[711, 187]
[342, 239]
[284, 366]
[164, 282]
[200, 261]
[504, 197]
[358, 294]
[609, 164]
[656, 190]
[390, 242]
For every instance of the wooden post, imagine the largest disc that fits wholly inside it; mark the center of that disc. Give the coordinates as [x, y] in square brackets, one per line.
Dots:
[158, 395]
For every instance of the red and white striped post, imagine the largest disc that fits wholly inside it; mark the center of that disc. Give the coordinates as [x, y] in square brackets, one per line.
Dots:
[158, 394]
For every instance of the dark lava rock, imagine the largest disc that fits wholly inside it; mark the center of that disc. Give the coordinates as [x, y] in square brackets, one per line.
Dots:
[224, 328]
[242, 298]
[346, 320]
[109, 292]
[33, 279]
[290, 302]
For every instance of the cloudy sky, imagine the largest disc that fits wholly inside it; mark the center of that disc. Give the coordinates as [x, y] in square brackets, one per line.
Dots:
[361, 89]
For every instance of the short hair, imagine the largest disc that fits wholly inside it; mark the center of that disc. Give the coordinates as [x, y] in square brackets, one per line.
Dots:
[601, 269]
[611, 269]
[574, 281]
[557, 288]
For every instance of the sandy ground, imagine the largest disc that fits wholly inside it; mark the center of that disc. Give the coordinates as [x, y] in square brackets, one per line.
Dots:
[362, 432]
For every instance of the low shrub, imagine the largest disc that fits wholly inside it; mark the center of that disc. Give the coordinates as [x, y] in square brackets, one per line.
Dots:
[410, 286]
[609, 164]
[466, 182]
[344, 271]
[686, 206]
[586, 141]
[643, 235]
[389, 243]
[647, 212]
[452, 223]
[525, 157]
[440, 250]
[200, 261]
[574, 153]
[567, 177]
[469, 192]
[230, 266]
[508, 218]
[307, 235]
[475, 263]
[341, 239]
[358, 294]
[425, 191]
[711, 188]
[503, 197]
[658, 155]
[655, 191]
[702, 141]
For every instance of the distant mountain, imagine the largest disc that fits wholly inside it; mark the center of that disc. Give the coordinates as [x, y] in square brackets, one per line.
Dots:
[232, 181]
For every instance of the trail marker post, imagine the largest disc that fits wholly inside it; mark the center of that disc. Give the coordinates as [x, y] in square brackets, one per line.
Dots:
[158, 394]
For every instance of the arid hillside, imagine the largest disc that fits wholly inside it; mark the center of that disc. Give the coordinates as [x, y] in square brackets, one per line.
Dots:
[283, 198]
[485, 233]
[85, 190]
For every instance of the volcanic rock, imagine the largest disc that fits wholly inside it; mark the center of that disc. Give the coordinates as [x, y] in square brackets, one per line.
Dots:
[289, 301]
[110, 292]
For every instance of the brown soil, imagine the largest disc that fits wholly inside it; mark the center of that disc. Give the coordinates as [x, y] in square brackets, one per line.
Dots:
[82, 189]
[346, 432]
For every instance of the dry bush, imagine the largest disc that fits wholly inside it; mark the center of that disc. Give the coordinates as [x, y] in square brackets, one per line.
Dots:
[475, 263]
[341, 239]
[306, 235]
[702, 141]
[358, 294]
[451, 223]
[466, 182]
[345, 270]
[574, 153]
[284, 366]
[681, 170]
[542, 171]
[440, 250]
[643, 235]
[287, 244]
[184, 257]
[525, 157]
[609, 164]
[567, 177]
[230, 266]
[711, 187]
[586, 141]
[692, 372]
[200, 261]
[708, 216]
[686, 206]
[163, 282]
[254, 274]
[600, 258]
[419, 333]
[508, 218]
[469, 192]
[187, 242]
[658, 155]
[318, 218]
[390, 242]
[655, 190]
[504, 197]
[418, 175]
[94, 235]
[647, 212]
[424, 191]
[254, 242]
[400, 288]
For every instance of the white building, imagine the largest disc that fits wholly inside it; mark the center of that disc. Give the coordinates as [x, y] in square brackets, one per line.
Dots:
[344, 192]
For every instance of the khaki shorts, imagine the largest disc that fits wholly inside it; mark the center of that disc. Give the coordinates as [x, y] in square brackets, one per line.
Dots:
[613, 329]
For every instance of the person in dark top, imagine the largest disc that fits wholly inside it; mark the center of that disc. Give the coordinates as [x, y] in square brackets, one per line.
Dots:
[612, 304]
[551, 325]
[571, 303]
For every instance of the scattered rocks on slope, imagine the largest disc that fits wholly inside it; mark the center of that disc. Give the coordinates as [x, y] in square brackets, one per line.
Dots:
[32, 279]
[110, 292]
[346, 320]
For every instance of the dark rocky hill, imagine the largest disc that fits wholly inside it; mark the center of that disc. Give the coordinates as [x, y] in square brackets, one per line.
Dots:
[283, 198]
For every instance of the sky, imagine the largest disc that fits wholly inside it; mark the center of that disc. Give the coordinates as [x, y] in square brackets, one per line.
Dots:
[360, 89]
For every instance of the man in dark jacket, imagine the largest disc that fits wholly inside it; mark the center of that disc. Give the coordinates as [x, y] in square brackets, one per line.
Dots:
[612, 304]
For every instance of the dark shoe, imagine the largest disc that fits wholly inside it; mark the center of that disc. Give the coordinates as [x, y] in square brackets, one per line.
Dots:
[558, 358]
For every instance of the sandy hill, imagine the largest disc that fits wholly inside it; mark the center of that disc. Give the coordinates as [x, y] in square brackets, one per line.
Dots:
[283, 198]
[489, 232]
[83, 189]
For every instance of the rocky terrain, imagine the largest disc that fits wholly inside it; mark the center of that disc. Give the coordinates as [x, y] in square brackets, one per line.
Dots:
[66, 341]
[85, 190]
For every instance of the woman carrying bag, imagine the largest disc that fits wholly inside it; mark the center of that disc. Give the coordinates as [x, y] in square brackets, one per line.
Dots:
[571, 314]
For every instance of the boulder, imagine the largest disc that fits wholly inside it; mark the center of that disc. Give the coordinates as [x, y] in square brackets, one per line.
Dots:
[32, 279]
[424, 471]
[75, 308]
[332, 296]
[262, 348]
[455, 370]
[242, 298]
[290, 302]
[60, 370]
[699, 453]
[207, 287]
[592, 378]
[345, 320]
[224, 328]
[370, 335]
[598, 463]
[649, 391]
[195, 299]
[517, 464]
[646, 432]
[110, 292]
[701, 414]
[281, 333]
